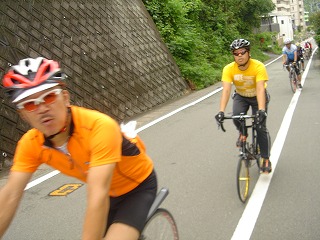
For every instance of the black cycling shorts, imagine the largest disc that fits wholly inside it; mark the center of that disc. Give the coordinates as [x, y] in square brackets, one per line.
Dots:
[132, 208]
[295, 68]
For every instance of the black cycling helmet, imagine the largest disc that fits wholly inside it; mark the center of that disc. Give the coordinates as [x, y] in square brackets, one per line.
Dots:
[240, 43]
[32, 75]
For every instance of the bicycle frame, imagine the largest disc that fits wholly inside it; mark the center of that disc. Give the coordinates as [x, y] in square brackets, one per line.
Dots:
[163, 193]
[160, 223]
[249, 151]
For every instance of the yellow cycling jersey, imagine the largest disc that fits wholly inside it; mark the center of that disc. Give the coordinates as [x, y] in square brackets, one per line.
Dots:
[245, 81]
[95, 139]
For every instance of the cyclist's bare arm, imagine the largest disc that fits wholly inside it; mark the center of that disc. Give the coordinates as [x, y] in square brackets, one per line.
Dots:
[261, 95]
[10, 196]
[225, 95]
[295, 56]
[284, 58]
[98, 185]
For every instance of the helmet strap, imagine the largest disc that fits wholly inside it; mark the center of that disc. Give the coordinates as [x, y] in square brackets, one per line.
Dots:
[63, 129]
[242, 65]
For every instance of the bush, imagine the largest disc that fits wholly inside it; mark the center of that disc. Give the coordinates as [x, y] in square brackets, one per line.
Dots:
[198, 34]
[317, 38]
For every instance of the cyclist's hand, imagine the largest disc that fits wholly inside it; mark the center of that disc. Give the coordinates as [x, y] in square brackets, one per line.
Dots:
[220, 117]
[294, 63]
[261, 116]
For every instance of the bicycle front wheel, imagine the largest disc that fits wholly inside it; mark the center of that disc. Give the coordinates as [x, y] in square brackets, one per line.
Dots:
[243, 179]
[161, 226]
[293, 81]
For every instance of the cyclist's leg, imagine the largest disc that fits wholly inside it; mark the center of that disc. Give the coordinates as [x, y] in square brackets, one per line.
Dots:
[122, 231]
[240, 105]
[287, 63]
[263, 136]
[128, 212]
[302, 63]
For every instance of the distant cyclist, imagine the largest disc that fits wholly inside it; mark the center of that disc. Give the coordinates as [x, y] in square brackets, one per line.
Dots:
[308, 46]
[308, 49]
[300, 51]
[249, 76]
[290, 55]
[81, 143]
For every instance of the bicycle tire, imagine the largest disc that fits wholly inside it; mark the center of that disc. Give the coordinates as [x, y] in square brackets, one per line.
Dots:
[243, 179]
[308, 54]
[293, 81]
[161, 226]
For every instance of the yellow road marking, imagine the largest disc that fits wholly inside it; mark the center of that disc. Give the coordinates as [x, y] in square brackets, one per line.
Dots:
[65, 189]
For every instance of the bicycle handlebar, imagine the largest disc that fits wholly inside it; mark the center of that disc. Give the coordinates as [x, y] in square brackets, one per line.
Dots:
[241, 117]
[288, 65]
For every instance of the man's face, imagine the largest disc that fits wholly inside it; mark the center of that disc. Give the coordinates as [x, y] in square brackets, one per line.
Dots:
[46, 110]
[288, 45]
[241, 56]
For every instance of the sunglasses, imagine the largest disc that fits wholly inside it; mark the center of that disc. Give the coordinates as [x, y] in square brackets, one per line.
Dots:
[33, 104]
[241, 52]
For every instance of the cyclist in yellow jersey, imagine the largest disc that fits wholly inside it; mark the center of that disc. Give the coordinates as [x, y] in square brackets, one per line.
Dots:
[249, 76]
[82, 143]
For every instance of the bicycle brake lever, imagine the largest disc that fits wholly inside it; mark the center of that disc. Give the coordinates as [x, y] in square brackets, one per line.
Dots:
[220, 125]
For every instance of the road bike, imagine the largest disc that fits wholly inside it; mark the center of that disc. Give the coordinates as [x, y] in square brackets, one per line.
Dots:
[160, 224]
[249, 153]
[293, 78]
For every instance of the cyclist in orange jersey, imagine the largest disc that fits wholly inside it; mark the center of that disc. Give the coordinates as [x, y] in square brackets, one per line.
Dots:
[82, 143]
[249, 76]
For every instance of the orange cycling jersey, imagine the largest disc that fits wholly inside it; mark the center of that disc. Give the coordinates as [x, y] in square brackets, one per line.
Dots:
[95, 139]
[245, 81]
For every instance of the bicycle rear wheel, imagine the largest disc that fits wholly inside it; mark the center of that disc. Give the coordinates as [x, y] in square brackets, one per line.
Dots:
[243, 179]
[161, 226]
[308, 54]
[293, 81]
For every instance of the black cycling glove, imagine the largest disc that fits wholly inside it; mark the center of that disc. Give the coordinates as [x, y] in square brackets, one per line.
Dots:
[261, 116]
[220, 117]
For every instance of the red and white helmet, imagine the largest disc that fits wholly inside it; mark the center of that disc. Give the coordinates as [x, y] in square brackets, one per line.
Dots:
[30, 76]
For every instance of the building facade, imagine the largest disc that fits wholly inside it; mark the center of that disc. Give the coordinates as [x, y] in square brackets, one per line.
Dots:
[290, 16]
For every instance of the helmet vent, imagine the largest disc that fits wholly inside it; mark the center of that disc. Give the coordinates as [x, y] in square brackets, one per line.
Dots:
[27, 63]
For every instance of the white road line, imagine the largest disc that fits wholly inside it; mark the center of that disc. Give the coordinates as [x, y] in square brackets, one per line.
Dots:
[250, 215]
[178, 110]
[41, 179]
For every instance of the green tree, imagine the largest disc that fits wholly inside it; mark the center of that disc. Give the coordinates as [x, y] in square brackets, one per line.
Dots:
[315, 21]
[198, 32]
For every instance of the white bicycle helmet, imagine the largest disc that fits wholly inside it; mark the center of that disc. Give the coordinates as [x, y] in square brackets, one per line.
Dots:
[287, 41]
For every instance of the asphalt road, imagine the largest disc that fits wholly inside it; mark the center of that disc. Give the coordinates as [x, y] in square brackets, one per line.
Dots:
[197, 162]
